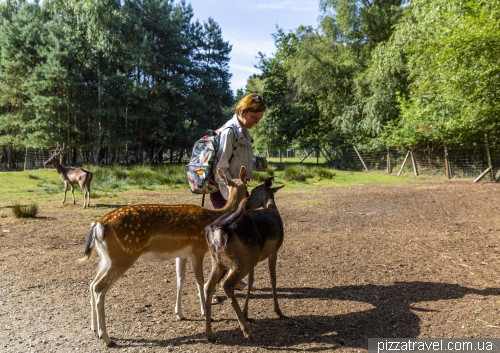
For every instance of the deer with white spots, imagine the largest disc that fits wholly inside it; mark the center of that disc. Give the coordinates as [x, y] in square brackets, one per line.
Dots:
[153, 232]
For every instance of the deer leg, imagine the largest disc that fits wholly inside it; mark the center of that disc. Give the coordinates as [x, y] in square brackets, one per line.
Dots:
[249, 285]
[229, 284]
[93, 308]
[99, 287]
[65, 190]
[98, 291]
[73, 192]
[198, 274]
[271, 260]
[212, 280]
[82, 186]
[88, 194]
[180, 270]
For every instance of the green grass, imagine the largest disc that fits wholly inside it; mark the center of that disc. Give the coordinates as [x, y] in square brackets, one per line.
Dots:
[44, 185]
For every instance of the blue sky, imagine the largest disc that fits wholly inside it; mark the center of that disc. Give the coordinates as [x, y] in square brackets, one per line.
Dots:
[248, 25]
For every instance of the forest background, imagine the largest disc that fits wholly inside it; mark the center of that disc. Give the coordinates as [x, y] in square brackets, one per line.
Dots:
[141, 79]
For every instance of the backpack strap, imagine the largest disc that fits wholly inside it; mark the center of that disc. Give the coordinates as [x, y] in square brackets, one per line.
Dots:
[235, 143]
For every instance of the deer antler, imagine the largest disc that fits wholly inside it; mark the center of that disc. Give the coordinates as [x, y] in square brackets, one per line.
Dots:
[59, 149]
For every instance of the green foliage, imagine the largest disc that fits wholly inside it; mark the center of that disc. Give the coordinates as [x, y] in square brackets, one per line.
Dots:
[259, 176]
[118, 178]
[23, 211]
[295, 173]
[451, 51]
[324, 173]
[110, 75]
[318, 85]
[114, 76]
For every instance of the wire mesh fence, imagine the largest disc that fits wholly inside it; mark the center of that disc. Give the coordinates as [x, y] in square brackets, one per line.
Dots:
[34, 158]
[451, 162]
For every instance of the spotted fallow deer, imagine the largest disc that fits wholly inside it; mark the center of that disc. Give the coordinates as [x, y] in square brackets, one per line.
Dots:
[71, 176]
[153, 232]
[239, 241]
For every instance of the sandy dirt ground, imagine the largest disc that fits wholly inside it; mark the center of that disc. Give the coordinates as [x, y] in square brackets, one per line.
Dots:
[401, 260]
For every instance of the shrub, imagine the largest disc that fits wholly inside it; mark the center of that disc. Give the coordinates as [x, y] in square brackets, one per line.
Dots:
[174, 174]
[259, 176]
[295, 173]
[22, 211]
[324, 173]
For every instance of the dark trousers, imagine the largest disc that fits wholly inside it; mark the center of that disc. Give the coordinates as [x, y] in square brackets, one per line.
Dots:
[218, 201]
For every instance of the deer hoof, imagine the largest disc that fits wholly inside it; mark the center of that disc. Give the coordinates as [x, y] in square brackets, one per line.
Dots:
[111, 344]
[211, 338]
[180, 318]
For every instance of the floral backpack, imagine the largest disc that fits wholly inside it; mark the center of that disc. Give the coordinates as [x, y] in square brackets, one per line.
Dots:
[199, 170]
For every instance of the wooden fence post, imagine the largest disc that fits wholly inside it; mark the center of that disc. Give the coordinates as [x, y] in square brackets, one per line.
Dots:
[482, 175]
[361, 159]
[402, 166]
[447, 163]
[25, 159]
[488, 155]
[389, 162]
[413, 164]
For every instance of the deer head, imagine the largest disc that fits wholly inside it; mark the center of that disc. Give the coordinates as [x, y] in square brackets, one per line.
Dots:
[54, 155]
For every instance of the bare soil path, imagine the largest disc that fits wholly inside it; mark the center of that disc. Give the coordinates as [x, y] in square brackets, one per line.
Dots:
[401, 260]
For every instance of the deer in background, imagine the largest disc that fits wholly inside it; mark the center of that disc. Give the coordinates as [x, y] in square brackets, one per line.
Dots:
[154, 232]
[239, 241]
[71, 176]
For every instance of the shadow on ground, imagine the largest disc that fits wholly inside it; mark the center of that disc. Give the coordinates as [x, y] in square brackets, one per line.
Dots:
[392, 316]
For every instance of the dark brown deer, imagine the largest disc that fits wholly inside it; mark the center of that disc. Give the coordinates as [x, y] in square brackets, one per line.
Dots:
[239, 241]
[71, 176]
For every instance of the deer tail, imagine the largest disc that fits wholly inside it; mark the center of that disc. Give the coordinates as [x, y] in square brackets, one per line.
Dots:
[96, 233]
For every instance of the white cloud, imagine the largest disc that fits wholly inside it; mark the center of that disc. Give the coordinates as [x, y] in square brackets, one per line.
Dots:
[245, 68]
[311, 5]
[248, 48]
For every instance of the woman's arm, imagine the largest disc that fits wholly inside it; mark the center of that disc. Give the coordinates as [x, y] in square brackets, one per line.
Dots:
[224, 154]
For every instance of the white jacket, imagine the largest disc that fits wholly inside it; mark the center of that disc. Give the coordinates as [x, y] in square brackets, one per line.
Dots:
[241, 156]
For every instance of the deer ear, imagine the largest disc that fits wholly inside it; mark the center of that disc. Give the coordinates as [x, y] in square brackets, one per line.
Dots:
[243, 174]
[277, 188]
[269, 182]
[222, 176]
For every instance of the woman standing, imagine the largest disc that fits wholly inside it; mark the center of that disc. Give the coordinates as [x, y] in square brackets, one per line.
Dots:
[236, 150]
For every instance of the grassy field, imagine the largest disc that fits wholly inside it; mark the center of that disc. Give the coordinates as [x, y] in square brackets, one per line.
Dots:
[44, 185]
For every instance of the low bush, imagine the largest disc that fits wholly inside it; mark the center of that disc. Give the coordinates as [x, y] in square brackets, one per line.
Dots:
[295, 173]
[23, 211]
[324, 173]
